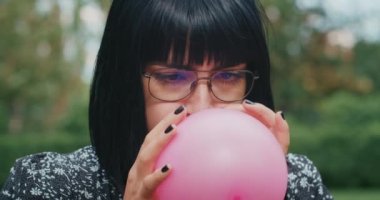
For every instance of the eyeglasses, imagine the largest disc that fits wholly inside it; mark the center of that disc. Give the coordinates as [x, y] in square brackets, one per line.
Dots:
[171, 84]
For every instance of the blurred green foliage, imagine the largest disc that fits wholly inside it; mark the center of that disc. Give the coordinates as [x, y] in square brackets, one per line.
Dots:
[343, 140]
[355, 194]
[40, 71]
[329, 93]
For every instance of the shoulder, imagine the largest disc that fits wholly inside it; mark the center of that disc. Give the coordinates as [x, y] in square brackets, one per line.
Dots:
[56, 162]
[304, 179]
[50, 175]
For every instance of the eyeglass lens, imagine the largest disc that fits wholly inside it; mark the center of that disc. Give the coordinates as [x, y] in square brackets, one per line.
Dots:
[174, 84]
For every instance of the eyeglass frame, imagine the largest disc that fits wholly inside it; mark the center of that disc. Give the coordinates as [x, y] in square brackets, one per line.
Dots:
[209, 83]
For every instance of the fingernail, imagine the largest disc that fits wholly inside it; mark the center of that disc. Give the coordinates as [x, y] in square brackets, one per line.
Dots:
[164, 169]
[168, 129]
[179, 110]
[247, 101]
[282, 115]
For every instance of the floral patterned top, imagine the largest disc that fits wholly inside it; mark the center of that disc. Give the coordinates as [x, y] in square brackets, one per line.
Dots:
[78, 175]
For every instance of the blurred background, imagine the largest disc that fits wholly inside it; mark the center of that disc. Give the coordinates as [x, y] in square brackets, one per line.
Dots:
[325, 56]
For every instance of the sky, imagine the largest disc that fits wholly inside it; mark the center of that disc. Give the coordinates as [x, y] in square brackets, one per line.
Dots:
[363, 15]
[359, 17]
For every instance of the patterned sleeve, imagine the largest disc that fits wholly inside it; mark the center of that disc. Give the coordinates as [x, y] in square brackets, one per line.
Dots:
[58, 176]
[304, 180]
[17, 184]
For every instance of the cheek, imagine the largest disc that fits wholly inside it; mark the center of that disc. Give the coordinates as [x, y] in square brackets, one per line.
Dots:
[156, 110]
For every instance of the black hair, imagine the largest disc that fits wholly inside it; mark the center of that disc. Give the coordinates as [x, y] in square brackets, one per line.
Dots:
[141, 31]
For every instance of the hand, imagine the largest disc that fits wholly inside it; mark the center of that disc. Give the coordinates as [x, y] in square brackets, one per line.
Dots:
[274, 121]
[142, 178]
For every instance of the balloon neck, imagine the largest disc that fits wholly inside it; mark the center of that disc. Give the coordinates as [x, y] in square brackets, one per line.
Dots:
[236, 197]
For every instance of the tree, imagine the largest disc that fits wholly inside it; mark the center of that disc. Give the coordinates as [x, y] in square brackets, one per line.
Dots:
[36, 79]
[308, 65]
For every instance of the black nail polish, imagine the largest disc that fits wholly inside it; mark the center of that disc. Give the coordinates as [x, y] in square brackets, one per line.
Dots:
[179, 110]
[164, 169]
[283, 115]
[247, 101]
[168, 129]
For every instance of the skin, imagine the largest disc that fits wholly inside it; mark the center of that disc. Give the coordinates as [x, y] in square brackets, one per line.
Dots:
[143, 179]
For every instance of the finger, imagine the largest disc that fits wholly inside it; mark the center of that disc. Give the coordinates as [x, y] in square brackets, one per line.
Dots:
[260, 112]
[148, 155]
[157, 139]
[281, 131]
[152, 149]
[151, 182]
[173, 118]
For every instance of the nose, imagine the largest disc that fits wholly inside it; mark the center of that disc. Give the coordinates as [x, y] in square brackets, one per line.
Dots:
[201, 97]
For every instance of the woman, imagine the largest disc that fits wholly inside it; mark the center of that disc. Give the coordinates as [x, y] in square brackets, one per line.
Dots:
[159, 61]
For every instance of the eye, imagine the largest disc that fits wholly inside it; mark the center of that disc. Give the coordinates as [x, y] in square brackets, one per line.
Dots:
[172, 77]
[227, 76]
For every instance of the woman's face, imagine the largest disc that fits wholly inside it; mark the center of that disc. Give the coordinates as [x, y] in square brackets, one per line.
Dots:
[201, 97]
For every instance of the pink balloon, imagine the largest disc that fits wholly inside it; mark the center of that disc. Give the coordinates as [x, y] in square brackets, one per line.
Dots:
[223, 154]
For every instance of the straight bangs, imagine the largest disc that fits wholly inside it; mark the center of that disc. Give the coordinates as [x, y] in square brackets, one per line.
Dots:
[192, 31]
